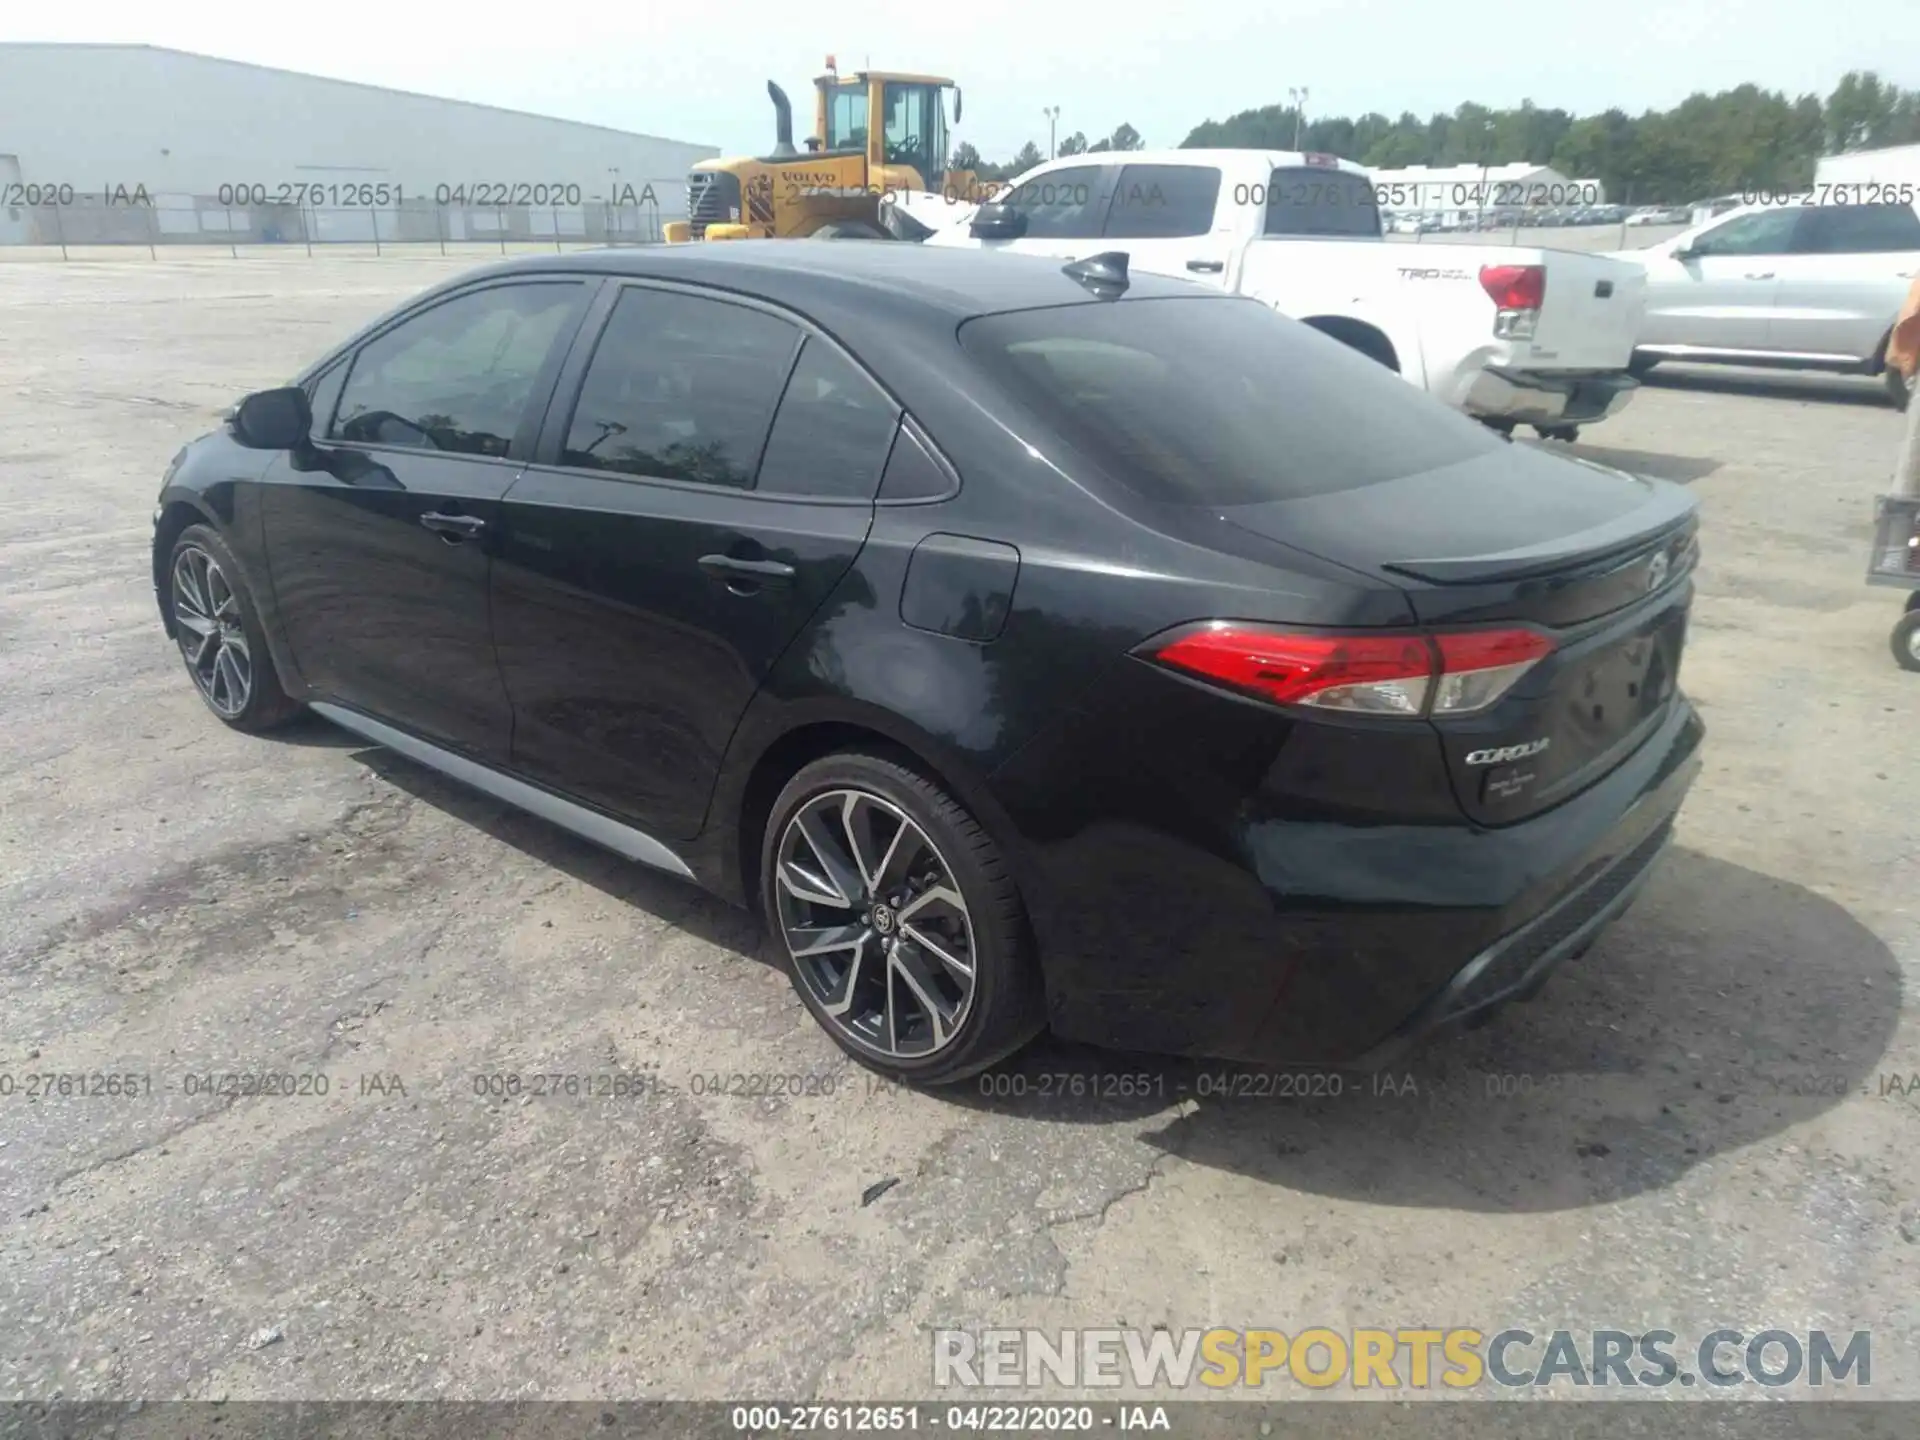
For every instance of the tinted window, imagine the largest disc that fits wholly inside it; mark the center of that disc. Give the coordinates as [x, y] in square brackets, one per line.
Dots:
[912, 472]
[1858, 230]
[1765, 233]
[1163, 201]
[459, 377]
[1218, 402]
[680, 388]
[1060, 205]
[1318, 202]
[832, 432]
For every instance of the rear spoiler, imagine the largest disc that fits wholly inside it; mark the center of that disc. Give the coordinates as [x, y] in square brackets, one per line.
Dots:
[1669, 508]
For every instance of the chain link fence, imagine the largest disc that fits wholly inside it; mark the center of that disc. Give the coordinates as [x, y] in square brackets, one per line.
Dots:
[174, 221]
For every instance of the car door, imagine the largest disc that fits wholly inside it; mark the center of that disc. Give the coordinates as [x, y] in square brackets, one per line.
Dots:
[1163, 217]
[1842, 285]
[1064, 208]
[705, 478]
[377, 541]
[1718, 292]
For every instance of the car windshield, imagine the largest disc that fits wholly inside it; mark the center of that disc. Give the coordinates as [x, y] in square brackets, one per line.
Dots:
[1217, 401]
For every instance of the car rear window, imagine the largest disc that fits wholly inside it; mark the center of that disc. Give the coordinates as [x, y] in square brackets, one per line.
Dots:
[1310, 201]
[1217, 400]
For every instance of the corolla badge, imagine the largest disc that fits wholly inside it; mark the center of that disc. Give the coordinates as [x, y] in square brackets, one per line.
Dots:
[1503, 753]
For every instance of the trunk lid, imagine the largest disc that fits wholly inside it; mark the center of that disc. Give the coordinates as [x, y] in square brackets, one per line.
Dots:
[1598, 560]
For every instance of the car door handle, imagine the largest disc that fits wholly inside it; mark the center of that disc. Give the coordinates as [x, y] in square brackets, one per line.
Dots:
[733, 570]
[1760, 275]
[454, 528]
[1207, 267]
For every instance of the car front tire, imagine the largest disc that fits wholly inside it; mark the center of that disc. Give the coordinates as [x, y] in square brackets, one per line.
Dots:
[217, 630]
[902, 927]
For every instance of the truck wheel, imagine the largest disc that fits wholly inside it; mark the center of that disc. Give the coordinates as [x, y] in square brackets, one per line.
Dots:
[1906, 641]
[1568, 433]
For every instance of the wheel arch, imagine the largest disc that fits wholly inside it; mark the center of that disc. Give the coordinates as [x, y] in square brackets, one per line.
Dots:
[765, 757]
[177, 511]
[1369, 339]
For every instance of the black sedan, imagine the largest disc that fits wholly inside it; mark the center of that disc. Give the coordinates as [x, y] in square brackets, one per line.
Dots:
[1030, 644]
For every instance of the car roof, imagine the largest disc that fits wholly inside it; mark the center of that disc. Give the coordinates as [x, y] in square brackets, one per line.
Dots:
[1216, 155]
[852, 278]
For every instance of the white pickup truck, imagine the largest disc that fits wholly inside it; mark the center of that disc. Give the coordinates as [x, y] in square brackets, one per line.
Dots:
[1509, 334]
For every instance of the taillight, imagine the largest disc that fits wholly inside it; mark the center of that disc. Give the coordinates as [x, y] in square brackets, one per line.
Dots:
[1370, 673]
[1517, 292]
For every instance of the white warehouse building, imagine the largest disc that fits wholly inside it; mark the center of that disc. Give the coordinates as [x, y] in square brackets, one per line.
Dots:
[136, 142]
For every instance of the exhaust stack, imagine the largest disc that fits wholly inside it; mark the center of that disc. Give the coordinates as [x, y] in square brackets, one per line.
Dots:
[782, 122]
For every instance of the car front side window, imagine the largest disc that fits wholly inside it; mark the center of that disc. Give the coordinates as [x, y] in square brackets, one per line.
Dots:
[1766, 233]
[1061, 204]
[458, 378]
[681, 388]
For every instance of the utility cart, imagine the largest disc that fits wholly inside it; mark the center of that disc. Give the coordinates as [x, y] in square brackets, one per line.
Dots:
[1896, 561]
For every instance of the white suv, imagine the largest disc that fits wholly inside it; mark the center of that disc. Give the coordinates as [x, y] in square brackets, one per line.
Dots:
[1802, 286]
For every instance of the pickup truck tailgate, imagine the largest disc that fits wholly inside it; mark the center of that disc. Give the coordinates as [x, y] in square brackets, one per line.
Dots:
[1590, 315]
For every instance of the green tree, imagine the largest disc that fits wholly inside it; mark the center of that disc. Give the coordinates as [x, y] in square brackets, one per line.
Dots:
[1074, 144]
[965, 157]
[1126, 138]
[1028, 157]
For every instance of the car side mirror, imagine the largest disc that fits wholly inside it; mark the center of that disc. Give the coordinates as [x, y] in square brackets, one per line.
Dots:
[1683, 252]
[273, 419]
[994, 221]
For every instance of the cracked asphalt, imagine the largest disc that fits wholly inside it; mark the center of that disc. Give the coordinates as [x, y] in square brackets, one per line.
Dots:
[1712, 1119]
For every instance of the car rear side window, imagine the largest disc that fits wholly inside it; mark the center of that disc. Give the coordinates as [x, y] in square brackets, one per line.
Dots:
[833, 430]
[1208, 401]
[459, 377]
[1160, 202]
[1857, 230]
[681, 388]
[1305, 200]
[1061, 204]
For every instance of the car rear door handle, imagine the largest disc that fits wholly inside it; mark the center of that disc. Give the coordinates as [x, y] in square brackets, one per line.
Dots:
[1760, 275]
[454, 528]
[733, 570]
[1207, 267]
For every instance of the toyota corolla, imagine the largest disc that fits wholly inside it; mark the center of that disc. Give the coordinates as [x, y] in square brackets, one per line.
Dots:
[1030, 644]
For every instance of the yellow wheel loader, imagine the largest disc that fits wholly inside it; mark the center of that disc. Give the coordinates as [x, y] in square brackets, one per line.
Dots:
[879, 137]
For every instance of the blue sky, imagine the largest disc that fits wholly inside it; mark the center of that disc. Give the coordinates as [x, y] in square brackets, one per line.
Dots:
[697, 72]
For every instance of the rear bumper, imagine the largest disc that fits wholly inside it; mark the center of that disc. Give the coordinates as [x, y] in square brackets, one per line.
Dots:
[1531, 397]
[1333, 944]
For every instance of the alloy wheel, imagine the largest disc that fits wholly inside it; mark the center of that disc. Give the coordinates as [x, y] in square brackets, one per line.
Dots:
[875, 924]
[206, 615]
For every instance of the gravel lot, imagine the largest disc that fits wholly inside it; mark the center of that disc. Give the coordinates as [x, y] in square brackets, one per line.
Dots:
[1704, 1134]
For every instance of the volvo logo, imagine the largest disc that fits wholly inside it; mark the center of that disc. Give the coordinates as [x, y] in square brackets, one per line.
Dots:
[1503, 753]
[1657, 571]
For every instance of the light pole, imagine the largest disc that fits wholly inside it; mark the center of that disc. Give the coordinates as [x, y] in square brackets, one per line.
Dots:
[1298, 95]
[1052, 112]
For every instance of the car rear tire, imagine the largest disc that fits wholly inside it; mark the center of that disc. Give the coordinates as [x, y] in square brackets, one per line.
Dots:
[1905, 641]
[218, 632]
[903, 930]
[1640, 366]
[1899, 386]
